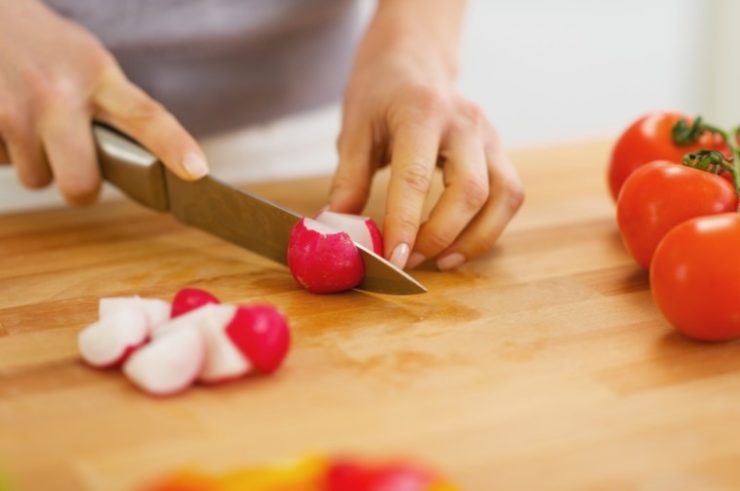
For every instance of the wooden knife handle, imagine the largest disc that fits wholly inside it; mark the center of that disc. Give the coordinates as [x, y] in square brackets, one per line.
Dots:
[131, 168]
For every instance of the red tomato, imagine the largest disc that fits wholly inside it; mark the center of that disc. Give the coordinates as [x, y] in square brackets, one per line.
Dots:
[695, 277]
[660, 195]
[647, 139]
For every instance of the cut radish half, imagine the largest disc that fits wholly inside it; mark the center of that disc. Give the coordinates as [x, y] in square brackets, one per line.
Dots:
[156, 311]
[223, 362]
[323, 259]
[169, 364]
[189, 299]
[108, 342]
[261, 333]
[362, 230]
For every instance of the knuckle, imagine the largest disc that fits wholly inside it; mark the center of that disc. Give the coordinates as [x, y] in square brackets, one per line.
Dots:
[343, 181]
[437, 239]
[417, 177]
[429, 99]
[473, 114]
[514, 195]
[475, 193]
[404, 223]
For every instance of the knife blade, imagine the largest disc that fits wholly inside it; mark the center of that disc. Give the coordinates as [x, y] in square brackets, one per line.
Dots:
[237, 216]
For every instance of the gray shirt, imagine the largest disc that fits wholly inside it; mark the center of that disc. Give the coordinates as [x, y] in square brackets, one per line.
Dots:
[221, 64]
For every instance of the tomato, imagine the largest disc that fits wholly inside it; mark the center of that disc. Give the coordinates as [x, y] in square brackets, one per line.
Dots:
[695, 277]
[647, 139]
[660, 195]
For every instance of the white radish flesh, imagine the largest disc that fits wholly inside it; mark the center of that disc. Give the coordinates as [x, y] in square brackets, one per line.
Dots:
[169, 364]
[113, 338]
[157, 311]
[362, 230]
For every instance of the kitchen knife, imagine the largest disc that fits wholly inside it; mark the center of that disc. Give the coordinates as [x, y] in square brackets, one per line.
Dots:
[215, 207]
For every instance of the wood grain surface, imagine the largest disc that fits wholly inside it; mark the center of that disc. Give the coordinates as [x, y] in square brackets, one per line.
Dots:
[543, 366]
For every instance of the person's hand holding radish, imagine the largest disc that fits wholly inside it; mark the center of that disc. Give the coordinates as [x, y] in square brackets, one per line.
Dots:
[401, 109]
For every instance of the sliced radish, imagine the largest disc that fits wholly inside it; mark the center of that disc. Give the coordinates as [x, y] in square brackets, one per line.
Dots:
[156, 311]
[189, 299]
[224, 362]
[169, 364]
[323, 259]
[261, 333]
[108, 342]
[362, 230]
[192, 318]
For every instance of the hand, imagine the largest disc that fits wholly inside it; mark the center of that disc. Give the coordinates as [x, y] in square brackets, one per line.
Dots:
[401, 109]
[55, 78]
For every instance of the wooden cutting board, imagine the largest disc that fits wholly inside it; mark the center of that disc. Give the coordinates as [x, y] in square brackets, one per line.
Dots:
[544, 365]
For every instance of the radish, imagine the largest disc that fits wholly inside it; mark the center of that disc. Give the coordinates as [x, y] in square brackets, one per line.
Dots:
[224, 362]
[362, 230]
[156, 311]
[189, 299]
[169, 364]
[261, 333]
[323, 259]
[110, 340]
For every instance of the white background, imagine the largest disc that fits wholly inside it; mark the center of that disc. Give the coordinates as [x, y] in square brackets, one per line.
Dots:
[543, 70]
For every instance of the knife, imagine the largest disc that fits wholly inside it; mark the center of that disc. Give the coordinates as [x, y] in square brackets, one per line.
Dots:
[240, 217]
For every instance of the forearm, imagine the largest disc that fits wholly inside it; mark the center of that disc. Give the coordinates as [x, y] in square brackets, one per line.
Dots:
[429, 29]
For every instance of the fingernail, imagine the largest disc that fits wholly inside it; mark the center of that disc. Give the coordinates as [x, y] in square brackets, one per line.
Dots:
[415, 259]
[400, 255]
[195, 165]
[450, 261]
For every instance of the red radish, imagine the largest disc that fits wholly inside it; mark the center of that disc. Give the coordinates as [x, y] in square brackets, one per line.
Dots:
[224, 362]
[261, 333]
[169, 364]
[156, 311]
[362, 230]
[189, 299]
[323, 259]
[108, 342]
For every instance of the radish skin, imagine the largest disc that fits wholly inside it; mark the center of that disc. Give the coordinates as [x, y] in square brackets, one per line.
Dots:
[323, 259]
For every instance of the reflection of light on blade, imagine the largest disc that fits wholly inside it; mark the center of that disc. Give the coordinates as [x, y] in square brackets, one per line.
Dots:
[122, 148]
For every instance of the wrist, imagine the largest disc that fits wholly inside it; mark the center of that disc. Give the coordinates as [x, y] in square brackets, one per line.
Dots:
[424, 33]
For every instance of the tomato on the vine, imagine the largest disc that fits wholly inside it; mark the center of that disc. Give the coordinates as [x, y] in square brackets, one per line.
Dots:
[695, 277]
[660, 195]
[651, 138]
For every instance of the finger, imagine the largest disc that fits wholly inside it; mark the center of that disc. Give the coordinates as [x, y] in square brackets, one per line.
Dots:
[125, 106]
[351, 184]
[414, 157]
[466, 192]
[4, 156]
[67, 138]
[24, 151]
[507, 196]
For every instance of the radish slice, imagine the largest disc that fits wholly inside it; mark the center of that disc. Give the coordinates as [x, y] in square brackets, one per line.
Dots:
[193, 318]
[261, 333]
[189, 299]
[169, 364]
[224, 362]
[362, 230]
[156, 311]
[323, 259]
[108, 342]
